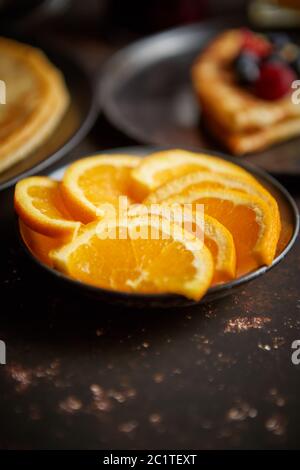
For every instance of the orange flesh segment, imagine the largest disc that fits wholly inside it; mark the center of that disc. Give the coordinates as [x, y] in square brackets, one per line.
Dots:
[49, 202]
[240, 221]
[162, 167]
[198, 181]
[90, 184]
[213, 248]
[104, 269]
[105, 183]
[169, 174]
[39, 203]
[40, 245]
[214, 234]
[249, 219]
[138, 265]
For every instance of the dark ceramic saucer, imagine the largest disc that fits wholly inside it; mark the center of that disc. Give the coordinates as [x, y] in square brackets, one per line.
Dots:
[289, 216]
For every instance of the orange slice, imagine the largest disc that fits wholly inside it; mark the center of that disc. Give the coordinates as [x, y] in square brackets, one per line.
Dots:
[216, 237]
[101, 256]
[39, 204]
[203, 179]
[249, 219]
[161, 167]
[91, 182]
[221, 245]
[39, 245]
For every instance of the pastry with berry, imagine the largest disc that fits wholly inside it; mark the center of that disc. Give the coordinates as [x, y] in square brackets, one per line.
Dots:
[245, 82]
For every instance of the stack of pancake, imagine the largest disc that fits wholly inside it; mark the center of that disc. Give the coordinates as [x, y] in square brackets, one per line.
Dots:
[36, 99]
[243, 122]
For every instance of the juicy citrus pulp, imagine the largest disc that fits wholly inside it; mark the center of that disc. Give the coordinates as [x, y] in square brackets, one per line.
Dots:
[198, 181]
[215, 236]
[161, 167]
[133, 264]
[91, 182]
[249, 219]
[39, 245]
[39, 204]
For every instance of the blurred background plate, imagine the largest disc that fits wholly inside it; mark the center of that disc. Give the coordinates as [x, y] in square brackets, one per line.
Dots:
[146, 92]
[72, 129]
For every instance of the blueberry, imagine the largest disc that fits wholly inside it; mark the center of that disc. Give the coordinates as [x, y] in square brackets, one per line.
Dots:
[247, 68]
[279, 40]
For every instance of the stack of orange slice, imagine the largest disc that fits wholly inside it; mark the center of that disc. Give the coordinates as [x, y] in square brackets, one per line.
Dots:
[70, 225]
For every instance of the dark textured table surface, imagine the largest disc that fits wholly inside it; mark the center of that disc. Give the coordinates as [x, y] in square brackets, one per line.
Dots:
[81, 374]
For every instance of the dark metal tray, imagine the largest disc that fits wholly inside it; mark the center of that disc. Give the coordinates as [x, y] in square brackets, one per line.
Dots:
[146, 92]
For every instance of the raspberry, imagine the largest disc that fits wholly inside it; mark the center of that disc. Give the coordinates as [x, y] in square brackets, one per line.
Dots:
[274, 81]
[255, 44]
